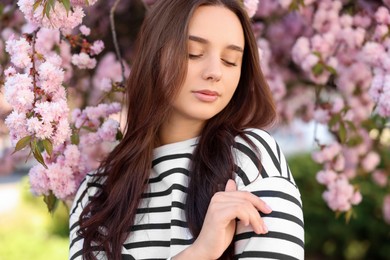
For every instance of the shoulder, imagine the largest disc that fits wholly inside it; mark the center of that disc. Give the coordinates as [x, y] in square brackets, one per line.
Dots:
[258, 156]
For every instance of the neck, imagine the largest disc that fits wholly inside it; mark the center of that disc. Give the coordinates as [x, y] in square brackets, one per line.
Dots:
[173, 131]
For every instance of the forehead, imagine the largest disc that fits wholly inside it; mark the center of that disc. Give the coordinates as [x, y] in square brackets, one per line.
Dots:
[217, 24]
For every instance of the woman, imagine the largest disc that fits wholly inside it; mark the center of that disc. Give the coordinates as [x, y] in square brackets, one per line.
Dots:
[193, 170]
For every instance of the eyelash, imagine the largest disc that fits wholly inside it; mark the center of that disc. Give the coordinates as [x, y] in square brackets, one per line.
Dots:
[194, 57]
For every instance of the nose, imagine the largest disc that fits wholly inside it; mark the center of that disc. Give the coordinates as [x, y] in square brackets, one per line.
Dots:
[212, 70]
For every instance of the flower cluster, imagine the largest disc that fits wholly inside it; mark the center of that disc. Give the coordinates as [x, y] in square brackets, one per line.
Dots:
[38, 99]
[36, 88]
[62, 18]
[332, 67]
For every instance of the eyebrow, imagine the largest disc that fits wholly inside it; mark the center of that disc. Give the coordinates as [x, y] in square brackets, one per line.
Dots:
[204, 41]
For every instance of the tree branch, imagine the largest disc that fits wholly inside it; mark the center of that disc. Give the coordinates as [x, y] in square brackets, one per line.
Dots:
[115, 39]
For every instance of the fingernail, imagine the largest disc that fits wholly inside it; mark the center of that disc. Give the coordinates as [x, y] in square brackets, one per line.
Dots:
[265, 229]
[268, 207]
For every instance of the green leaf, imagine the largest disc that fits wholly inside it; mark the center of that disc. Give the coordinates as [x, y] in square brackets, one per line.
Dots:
[89, 129]
[342, 133]
[46, 10]
[51, 202]
[22, 143]
[348, 216]
[37, 4]
[66, 4]
[48, 146]
[52, 3]
[318, 69]
[75, 139]
[331, 70]
[119, 135]
[38, 156]
[335, 118]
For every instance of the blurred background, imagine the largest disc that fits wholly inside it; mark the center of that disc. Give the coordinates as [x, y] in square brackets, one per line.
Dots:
[29, 231]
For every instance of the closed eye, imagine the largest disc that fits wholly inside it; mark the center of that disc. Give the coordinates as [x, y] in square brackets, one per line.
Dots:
[229, 63]
[193, 56]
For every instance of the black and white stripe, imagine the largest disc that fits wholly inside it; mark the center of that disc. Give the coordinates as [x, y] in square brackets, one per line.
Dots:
[161, 231]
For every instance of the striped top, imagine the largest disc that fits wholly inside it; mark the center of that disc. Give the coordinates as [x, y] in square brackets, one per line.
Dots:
[160, 229]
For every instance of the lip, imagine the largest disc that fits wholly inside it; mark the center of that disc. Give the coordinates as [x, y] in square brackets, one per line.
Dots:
[206, 95]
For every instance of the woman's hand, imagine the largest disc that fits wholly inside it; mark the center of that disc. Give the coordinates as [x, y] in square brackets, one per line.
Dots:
[220, 222]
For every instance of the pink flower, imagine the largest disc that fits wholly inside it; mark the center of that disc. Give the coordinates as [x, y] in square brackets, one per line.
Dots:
[46, 40]
[97, 47]
[372, 52]
[20, 52]
[382, 15]
[85, 30]
[16, 122]
[321, 116]
[40, 129]
[83, 61]
[39, 181]
[18, 92]
[108, 130]
[356, 198]
[82, 2]
[72, 155]
[339, 164]
[61, 181]
[300, 49]
[251, 7]
[384, 104]
[370, 161]
[62, 19]
[386, 209]
[380, 178]
[326, 177]
[104, 77]
[340, 195]
[51, 77]
[9, 72]
[376, 89]
[62, 133]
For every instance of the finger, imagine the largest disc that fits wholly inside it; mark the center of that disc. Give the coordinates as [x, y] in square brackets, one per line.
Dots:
[231, 186]
[238, 208]
[245, 195]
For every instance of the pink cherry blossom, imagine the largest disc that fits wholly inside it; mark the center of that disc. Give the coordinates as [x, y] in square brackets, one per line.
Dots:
[370, 161]
[16, 122]
[20, 52]
[108, 130]
[97, 47]
[85, 30]
[62, 19]
[83, 61]
[326, 177]
[61, 181]
[46, 40]
[40, 184]
[380, 178]
[386, 209]
[382, 15]
[251, 7]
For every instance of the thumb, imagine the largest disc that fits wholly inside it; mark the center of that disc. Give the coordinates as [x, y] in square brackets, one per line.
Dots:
[231, 185]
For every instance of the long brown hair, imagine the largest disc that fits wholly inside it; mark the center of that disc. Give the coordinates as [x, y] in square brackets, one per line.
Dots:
[157, 74]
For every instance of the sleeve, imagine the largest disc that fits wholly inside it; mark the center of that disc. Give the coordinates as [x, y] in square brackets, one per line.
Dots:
[274, 184]
[83, 194]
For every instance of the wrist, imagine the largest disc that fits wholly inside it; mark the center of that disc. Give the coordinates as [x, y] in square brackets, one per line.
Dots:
[191, 253]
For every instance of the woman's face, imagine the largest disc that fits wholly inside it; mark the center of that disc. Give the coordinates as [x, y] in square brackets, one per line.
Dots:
[215, 46]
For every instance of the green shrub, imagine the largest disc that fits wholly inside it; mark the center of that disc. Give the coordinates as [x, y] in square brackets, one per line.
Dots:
[327, 236]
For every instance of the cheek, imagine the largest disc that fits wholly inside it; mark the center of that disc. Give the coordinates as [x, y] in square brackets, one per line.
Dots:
[232, 80]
